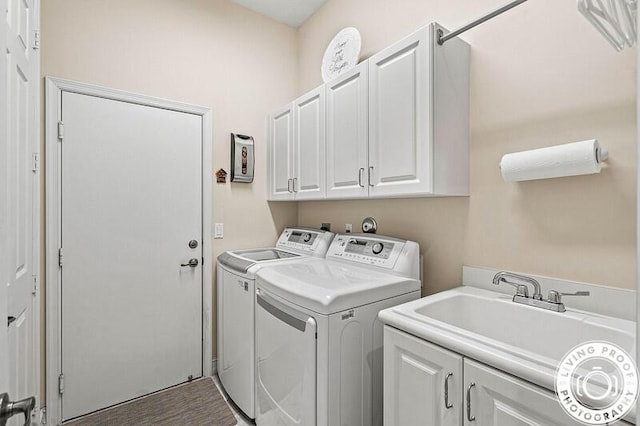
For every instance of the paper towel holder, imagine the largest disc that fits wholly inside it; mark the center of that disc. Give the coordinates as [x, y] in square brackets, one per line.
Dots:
[572, 159]
[601, 154]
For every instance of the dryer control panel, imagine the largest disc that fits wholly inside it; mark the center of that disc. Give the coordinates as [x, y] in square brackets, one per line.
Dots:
[368, 249]
[306, 240]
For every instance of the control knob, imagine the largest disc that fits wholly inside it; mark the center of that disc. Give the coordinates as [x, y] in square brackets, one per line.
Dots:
[377, 248]
[306, 237]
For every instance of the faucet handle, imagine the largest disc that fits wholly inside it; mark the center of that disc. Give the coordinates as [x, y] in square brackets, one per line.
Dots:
[521, 289]
[556, 296]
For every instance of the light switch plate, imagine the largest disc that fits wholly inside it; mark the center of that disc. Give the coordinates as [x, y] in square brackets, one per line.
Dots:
[348, 228]
[218, 230]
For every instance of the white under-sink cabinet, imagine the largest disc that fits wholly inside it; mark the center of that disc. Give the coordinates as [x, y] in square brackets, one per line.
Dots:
[347, 134]
[496, 398]
[296, 149]
[417, 376]
[419, 117]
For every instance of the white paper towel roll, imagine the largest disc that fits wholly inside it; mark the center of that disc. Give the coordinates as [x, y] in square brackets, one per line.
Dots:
[578, 158]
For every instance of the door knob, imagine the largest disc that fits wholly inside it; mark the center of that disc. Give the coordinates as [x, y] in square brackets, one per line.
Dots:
[193, 262]
[9, 409]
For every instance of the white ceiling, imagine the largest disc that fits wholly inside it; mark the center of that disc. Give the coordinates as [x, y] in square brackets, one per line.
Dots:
[290, 12]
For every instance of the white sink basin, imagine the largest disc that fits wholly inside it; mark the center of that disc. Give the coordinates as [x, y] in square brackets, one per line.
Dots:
[525, 341]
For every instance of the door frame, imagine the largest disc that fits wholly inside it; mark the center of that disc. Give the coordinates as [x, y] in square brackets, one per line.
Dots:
[54, 87]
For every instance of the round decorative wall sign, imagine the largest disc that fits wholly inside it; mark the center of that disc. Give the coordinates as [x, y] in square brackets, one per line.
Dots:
[342, 53]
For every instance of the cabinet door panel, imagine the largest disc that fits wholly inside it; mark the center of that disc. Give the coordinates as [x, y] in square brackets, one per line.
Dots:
[400, 118]
[415, 373]
[280, 168]
[347, 134]
[498, 399]
[310, 154]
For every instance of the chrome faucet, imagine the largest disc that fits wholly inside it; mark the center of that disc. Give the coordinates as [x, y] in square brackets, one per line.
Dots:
[501, 277]
[553, 302]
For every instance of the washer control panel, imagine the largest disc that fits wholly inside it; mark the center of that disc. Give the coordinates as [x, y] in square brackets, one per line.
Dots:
[307, 240]
[371, 250]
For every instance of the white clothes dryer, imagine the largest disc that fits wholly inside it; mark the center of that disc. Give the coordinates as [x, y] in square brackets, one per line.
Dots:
[236, 272]
[318, 336]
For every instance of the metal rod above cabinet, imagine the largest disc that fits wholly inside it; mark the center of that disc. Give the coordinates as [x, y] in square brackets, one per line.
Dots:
[442, 38]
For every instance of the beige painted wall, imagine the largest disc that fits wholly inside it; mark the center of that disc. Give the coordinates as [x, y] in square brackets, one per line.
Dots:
[211, 53]
[540, 76]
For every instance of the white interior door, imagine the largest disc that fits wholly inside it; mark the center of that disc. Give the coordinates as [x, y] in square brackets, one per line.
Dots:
[131, 201]
[19, 331]
[4, 209]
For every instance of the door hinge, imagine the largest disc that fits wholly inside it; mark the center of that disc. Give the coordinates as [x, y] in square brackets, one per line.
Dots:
[35, 284]
[36, 39]
[36, 162]
[60, 130]
[61, 384]
[60, 257]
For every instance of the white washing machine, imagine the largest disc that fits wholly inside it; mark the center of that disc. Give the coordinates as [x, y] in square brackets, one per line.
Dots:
[236, 273]
[318, 337]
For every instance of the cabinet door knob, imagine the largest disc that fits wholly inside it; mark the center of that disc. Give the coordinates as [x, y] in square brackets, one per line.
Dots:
[369, 176]
[360, 172]
[469, 416]
[446, 391]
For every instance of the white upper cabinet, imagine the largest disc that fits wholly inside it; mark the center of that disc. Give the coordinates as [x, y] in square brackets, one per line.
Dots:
[296, 148]
[280, 154]
[309, 167]
[399, 108]
[397, 125]
[419, 117]
[347, 134]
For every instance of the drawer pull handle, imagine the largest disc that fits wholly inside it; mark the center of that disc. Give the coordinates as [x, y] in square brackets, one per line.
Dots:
[446, 391]
[469, 416]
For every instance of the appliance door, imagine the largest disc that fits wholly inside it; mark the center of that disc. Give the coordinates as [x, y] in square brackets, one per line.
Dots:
[235, 338]
[286, 363]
